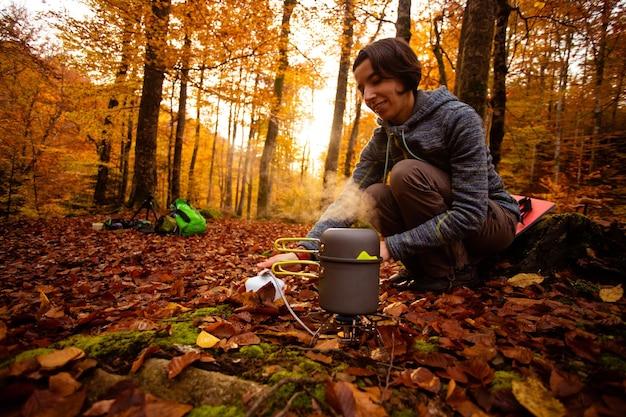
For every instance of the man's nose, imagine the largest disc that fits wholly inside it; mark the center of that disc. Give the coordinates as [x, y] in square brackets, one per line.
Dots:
[368, 94]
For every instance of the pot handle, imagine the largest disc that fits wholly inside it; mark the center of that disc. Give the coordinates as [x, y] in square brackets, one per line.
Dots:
[281, 244]
[278, 270]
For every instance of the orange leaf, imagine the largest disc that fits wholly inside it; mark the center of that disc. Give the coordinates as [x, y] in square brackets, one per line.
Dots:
[319, 357]
[519, 353]
[179, 363]
[3, 330]
[426, 380]
[138, 363]
[563, 384]
[99, 409]
[59, 358]
[245, 339]
[327, 345]
[395, 309]
[63, 384]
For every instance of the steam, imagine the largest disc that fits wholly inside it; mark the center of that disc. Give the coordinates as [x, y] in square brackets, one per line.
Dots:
[350, 205]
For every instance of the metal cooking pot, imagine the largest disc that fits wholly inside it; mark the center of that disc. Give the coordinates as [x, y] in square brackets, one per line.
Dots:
[349, 263]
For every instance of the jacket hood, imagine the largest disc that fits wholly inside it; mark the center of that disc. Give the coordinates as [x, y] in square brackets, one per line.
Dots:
[426, 102]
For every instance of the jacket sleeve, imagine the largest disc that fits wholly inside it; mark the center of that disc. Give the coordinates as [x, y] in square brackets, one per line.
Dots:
[369, 170]
[469, 185]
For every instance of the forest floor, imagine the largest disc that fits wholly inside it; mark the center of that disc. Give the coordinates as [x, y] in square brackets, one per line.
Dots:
[75, 302]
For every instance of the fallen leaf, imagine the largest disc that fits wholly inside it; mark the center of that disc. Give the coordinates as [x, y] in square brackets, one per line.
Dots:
[63, 384]
[81, 367]
[143, 355]
[3, 330]
[359, 372]
[395, 309]
[245, 339]
[43, 403]
[611, 294]
[206, 340]
[535, 398]
[23, 367]
[426, 380]
[59, 358]
[319, 357]
[179, 363]
[99, 409]
[327, 345]
[519, 353]
[563, 384]
[525, 280]
[349, 401]
[156, 407]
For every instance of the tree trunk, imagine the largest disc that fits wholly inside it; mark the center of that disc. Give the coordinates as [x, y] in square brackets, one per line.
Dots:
[599, 60]
[475, 52]
[214, 146]
[104, 147]
[560, 104]
[125, 154]
[500, 69]
[191, 183]
[272, 130]
[170, 147]
[403, 22]
[438, 51]
[144, 175]
[181, 118]
[332, 156]
[354, 133]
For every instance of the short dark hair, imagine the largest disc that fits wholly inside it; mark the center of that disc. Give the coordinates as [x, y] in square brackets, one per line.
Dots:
[392, 58]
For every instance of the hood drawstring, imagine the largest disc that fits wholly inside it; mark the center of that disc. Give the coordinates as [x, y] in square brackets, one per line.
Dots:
[386, 160]
[407, 148]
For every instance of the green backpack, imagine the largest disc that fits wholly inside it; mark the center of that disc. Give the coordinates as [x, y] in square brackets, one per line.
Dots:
[189, 220]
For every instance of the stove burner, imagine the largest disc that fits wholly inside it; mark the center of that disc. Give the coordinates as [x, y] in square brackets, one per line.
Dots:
[352, 330]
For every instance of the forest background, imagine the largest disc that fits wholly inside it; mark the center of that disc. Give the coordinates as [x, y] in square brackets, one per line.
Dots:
[206, 99]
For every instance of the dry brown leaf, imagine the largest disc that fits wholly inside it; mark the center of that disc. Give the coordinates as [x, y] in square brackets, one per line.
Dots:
[59, 358]
[3, 330]
[519, 353]
[426, 380]
[245, 339]
[48, 404]
[327, 345]
[99, 409]
[563, 384]
[319, 357]
[143, 355]
[180, 363]
[63, 384]
[156, 407]
[612, 294]
[23, 367]
[396, 309]
[206, 340]
[536, 399]
[525, 280]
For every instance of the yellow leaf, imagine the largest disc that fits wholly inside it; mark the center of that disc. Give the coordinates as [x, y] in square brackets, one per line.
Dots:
[43, 300]
[525, 280]
[539, 4]
[612, 294]
[206, 340]
[536, 399]
[177, 307]
[59, 358]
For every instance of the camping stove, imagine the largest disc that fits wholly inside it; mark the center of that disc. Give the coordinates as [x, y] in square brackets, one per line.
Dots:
[350, 330]
[349, 263]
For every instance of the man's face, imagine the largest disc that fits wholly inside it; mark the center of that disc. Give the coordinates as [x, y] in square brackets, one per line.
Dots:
[384, 95]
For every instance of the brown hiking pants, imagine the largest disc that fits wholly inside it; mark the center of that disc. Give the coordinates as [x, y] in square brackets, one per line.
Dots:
[418, 192]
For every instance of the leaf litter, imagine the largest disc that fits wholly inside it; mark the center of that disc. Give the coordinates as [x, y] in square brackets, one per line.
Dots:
[490, 351]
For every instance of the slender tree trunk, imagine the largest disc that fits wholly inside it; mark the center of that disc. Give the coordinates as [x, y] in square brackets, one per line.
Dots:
[104, 147]
[191, 182]
[332, 156]
[438, 51]
[181, 118]
[475, 52]
[214, 146]
[500, 69]
[403, 22]
[127, 144]
[170, 148]
[272, 132]
[354, 133]
[144, 174]
[599, 60]
[560, 104]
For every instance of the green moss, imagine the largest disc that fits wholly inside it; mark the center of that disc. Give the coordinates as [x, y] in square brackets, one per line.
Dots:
[222, 310]
[424, 346]
[216, 411]
[252, 352]
[613, 363]
[284, 393]
[110, 344]
[27, 354]
[184, 333]
[403, 413]
[584, 287]
[503, 380]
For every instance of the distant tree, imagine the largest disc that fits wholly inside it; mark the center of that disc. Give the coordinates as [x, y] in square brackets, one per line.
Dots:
[403, 22]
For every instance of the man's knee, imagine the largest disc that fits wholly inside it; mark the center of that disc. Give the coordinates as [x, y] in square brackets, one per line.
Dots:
[377, 192]
[409, 172]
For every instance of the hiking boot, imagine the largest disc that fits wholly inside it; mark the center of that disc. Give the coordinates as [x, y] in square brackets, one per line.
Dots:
[406, 280]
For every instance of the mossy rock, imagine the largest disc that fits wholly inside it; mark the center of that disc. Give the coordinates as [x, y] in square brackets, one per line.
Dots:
[106, 345]
[570, 241]
[503, 380]
[216, 411]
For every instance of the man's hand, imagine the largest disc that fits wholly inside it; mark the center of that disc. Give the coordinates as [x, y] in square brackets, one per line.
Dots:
[384, 252]
[290, 256]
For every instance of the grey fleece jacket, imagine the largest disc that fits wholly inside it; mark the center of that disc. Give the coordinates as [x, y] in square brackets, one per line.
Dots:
[443, 132]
